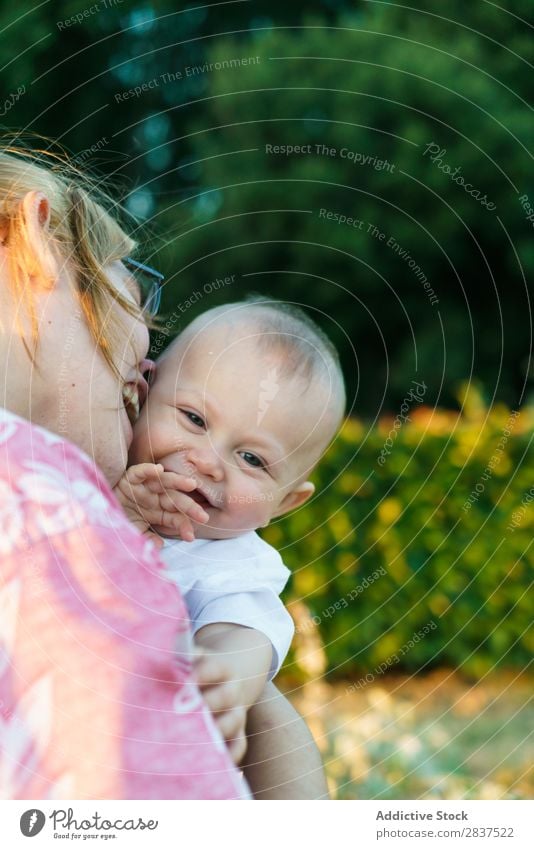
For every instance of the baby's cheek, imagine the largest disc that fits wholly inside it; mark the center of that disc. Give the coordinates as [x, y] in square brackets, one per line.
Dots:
[249, 511]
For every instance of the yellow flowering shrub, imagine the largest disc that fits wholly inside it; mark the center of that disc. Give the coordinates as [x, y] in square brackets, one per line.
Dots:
[445, 526]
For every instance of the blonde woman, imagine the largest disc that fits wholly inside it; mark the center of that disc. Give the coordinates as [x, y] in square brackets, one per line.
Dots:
[93, 702]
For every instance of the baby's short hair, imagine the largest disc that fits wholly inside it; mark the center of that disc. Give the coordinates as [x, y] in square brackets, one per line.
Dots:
[278, 326]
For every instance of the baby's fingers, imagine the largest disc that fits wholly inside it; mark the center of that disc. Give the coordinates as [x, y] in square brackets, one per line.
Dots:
[156, 539]
[176, 524]
[143, 473]
[179, 483]
[169, 482]
[210, 670]
[237, 748]
[173, 501]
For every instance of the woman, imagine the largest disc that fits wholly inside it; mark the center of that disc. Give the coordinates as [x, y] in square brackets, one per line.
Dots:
[93, 700]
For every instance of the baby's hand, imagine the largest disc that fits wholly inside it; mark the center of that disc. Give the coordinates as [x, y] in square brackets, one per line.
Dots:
[232, 663]
[151, 496]
[224, 697]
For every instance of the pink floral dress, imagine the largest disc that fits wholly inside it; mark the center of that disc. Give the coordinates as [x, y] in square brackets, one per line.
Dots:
[96, 695]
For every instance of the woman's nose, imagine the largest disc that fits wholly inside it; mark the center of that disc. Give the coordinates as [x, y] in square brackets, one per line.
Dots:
[206, 462]
[147, 370]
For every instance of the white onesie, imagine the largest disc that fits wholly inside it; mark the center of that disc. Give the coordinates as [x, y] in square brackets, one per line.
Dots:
[233, 580]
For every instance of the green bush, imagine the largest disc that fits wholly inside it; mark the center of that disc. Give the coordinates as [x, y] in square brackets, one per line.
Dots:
[445, 524]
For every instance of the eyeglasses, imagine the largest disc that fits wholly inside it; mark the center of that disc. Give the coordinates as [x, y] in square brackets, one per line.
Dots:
[150, 282]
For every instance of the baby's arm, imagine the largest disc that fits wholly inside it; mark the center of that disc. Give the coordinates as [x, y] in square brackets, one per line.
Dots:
[282, 760]
[151, 496]
[246, 655]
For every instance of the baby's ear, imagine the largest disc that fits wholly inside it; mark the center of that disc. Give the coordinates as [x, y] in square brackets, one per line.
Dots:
[295, 498]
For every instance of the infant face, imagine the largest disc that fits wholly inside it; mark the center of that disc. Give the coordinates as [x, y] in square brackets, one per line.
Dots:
[227, 415]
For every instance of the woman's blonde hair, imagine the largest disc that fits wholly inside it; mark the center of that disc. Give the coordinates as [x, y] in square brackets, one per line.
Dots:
[84, 229]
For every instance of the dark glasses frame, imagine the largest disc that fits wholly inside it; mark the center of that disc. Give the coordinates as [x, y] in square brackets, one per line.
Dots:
[150, 282]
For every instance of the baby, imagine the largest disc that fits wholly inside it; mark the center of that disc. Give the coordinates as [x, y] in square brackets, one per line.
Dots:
[244, 404]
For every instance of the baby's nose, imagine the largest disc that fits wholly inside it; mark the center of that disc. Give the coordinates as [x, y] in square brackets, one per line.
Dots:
[206, 462]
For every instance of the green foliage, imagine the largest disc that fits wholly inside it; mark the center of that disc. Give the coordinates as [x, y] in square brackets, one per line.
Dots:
[383, 84]
[465, 568]
[378, 79]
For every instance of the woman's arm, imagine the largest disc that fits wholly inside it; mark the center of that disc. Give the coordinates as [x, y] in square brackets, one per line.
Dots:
[97, 695]
[282, 760]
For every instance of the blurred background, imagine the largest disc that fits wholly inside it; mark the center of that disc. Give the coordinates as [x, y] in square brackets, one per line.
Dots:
[371, 162]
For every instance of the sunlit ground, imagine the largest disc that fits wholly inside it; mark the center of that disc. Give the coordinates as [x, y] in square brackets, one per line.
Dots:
[425, 737]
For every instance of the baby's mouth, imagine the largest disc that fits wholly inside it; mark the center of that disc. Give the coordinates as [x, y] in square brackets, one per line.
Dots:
[130, 397]
[200, 498]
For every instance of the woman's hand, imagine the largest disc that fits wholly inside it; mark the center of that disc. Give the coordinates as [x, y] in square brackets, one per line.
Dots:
[151, 496]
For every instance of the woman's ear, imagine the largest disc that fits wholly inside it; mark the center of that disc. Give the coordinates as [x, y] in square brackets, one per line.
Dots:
[36, 211]
[295, 498]
[35, 208]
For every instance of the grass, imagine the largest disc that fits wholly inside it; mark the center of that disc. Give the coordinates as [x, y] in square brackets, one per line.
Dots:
[425, 737]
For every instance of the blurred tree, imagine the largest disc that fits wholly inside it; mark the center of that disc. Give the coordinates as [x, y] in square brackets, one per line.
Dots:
[427, 279]
[372, 81]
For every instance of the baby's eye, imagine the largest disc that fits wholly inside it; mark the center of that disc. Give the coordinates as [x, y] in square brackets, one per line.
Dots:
[252, 460]
[196, 420]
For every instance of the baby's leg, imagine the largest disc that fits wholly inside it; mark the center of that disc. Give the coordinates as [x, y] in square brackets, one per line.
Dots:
[282, 760]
